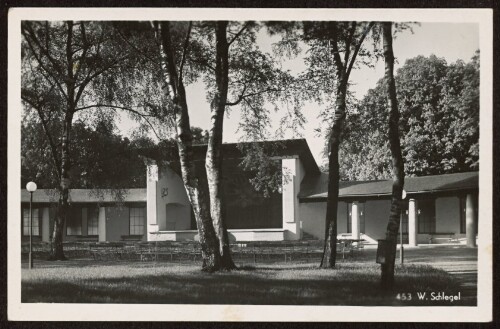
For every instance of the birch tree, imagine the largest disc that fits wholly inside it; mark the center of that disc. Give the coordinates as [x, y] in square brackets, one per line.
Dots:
[238, 74]
[173, 60]
[335, 49]
[398, 176]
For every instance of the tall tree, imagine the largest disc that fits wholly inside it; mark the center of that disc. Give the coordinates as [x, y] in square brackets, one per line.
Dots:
[173, 59]
[334, 49]
[71, 68]
[213, 161]
[239, 74]
[387, 278]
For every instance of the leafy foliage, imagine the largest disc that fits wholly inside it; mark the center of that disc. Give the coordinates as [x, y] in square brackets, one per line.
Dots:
[100, 158]
[439, 106]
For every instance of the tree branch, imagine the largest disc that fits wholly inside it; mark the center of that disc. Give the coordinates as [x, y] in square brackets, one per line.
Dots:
[335, 46]
[84, 49]
[358, 46]
[239, 33]
[89, 77]
[142, 115]
[44, 51]
[184, 51]
[130, 44]
[240, 97]
[170, 66]
[263, 91]
[112, 106]
[70, 82]
[44, 68]
[52, 145]
[348, 43]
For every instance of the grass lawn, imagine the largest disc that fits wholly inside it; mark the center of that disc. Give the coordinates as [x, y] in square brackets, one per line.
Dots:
[273, 284]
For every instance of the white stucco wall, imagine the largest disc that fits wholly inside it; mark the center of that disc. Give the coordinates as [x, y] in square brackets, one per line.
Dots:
[376, 218]
[448, 215]
[342, 219]
[171, 195]
[151, 191]
[294, 170]
[45, 224]
[313, 215]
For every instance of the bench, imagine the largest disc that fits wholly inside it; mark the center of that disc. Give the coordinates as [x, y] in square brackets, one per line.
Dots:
[88, 238]
[442, 237]
[132, 237]
[106, 250]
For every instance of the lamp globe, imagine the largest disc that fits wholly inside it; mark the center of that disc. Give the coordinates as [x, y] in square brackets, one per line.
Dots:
[31, 187]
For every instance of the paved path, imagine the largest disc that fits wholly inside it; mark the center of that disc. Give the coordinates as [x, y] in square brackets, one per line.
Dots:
[466, 273]
[458, 260]
[464, 269]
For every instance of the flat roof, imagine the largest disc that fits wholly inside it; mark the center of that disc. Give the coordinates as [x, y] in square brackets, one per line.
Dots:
[277, 148]
[316, 186]
[87, 195]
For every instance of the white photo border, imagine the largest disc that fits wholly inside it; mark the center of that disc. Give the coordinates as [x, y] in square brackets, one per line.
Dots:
[137, 312]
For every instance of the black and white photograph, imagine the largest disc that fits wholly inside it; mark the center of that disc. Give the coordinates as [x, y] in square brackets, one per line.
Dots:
[175, 164]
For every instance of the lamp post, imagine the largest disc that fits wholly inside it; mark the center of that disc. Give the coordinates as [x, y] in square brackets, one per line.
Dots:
[31, 187]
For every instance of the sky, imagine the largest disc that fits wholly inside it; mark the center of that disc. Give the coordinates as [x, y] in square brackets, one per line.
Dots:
[451, 41]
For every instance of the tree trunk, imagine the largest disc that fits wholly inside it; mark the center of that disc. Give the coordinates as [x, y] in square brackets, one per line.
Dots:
[387, 279]
[196, 186]
[213, 161]
[330, 248]
[57, 251]
[194, 178]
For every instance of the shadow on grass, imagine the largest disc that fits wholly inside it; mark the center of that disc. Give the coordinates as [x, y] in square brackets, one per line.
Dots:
[350, 284]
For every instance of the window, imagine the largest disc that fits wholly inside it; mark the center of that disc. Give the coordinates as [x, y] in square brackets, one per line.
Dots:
[137, 221]
[74, 223]
[93, 221]
[361, 214]
[26, 222]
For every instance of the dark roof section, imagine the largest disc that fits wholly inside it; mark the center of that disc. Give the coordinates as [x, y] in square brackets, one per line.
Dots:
[85, 195]
[316, 187]
[286, 148]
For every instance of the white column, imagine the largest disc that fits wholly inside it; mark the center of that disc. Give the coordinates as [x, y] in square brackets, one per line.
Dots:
[412, 222]
[102, 224]
[152, 182]
[470, 221]
[355, 220]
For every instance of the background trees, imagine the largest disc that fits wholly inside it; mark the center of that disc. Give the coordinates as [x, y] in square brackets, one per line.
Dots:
[439, 106]
[100, 157]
